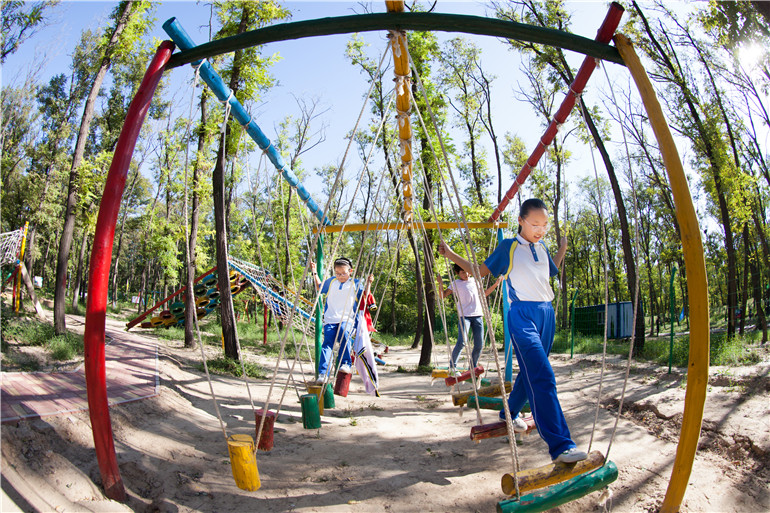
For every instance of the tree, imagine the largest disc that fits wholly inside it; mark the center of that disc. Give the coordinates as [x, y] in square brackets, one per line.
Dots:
[248, 76]
[553, 15]
[21, 20]
[126, 15]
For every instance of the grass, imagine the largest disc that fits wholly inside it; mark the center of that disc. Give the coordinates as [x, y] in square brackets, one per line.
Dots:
[28, 332]
[736, 351]
[228, 366]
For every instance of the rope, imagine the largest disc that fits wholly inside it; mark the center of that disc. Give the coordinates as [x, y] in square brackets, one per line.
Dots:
[189, 262]
[636, 281]
[606, 286]
[474, 268]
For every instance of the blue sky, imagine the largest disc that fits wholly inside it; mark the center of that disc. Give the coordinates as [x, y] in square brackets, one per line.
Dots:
[317, 68]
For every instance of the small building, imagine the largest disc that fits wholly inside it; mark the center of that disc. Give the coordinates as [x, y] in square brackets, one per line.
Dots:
[589, 320]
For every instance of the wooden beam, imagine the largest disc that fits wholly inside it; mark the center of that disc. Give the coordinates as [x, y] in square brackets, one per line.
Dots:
[422, 21]
[398, 225]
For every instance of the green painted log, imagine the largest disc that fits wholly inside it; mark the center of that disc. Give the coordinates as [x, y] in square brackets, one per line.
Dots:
[328, 397]
[561, 493]
[399, 21]
[311, 416]
[486, 403]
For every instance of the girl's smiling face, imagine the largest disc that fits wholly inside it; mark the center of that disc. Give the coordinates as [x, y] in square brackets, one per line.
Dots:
[535, 225]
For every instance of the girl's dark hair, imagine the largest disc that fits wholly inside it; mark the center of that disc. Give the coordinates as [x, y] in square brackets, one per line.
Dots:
[456, 268]
[530, 205]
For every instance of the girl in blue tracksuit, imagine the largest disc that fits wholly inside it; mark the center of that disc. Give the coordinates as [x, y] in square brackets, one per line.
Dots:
[527, 266]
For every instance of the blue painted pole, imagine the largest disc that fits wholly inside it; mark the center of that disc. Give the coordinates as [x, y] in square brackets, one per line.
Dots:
[180, 37]
[506, 306]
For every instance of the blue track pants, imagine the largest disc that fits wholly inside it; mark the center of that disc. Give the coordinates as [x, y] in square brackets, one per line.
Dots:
[476, 324]
[532, 326]
[332, 333]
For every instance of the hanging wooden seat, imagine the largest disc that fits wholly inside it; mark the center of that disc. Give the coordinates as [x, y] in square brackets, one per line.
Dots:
[550, 474]
[561, 492]
[461, 398]
[465, 376]
[496, 429]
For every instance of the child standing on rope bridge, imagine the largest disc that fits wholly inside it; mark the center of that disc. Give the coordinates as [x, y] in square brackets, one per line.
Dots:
[532, 323]
[343, 295]
[469, 313]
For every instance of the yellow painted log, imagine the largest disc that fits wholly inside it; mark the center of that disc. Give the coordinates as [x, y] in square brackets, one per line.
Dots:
[551, 474]
[394, 6]
[697, 282]
[443, 225]
[439, 373]
[460, 398]
[317, 390]
[243, 461]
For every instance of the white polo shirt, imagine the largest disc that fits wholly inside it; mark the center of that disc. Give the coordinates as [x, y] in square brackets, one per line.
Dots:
[467, 297]
[532, 267]
[341, 300]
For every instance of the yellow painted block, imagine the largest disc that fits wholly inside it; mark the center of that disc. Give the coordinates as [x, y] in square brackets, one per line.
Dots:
[243, 461]
[550, 474]
[317, 390]
[439, 373]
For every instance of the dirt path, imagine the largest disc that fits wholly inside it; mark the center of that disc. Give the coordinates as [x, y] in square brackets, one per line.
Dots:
[406, 451]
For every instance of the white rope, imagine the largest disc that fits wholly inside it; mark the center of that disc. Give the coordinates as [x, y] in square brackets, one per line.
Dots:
[474, 268]
[636, 284]
[599, 202]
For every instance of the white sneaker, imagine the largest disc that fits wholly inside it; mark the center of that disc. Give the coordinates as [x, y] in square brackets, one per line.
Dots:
[519, 426]
[571, 455]
[345, 368]
[318, 382]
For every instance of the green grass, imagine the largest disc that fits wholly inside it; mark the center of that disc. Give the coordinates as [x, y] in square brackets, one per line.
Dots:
[228, 366]
[737, 351]
[29, 332]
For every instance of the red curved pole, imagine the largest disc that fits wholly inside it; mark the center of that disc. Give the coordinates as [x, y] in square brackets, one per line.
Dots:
[603, 35]
[99, 275]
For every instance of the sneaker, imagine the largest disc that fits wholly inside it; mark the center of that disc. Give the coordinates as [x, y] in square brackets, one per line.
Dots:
[519, 426]
[345, 368]
[571, 455]
[457, 373]
[318, 382]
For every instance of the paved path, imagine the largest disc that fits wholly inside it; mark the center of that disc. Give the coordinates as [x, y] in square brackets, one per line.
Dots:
[132, 374]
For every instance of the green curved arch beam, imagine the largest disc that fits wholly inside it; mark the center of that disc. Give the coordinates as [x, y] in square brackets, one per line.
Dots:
[399, 21]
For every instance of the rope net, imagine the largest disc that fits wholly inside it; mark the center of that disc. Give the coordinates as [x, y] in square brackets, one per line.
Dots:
[273, 293]
[10, 243]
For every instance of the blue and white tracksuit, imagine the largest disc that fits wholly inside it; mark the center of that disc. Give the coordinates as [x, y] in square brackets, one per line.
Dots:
[339, 318]
[532, 325]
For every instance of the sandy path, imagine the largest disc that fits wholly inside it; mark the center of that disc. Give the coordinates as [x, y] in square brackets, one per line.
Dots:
[406, 451]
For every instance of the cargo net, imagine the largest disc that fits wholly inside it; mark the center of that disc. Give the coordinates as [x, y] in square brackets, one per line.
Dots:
[277, 297]
[10, 242]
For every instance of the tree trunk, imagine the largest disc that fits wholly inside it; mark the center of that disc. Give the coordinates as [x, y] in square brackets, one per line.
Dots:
[393, 290]
[30, 290]
[79, 274]
[756, 279]
[189, 335]
[419, 286]
[229, 331]
[65, 244]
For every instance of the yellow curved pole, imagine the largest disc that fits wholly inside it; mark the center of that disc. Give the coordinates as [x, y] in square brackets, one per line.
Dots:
[697, 282]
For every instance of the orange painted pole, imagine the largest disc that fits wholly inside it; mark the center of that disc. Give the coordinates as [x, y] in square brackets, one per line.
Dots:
[697, 282]
[99, 276]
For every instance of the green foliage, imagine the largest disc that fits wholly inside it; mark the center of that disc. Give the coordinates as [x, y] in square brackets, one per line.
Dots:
[20, 21]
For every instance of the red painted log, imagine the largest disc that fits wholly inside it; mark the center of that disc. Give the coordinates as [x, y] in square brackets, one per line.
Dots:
[266, 440]
[342, 384]
[465, 376]
[99, 276]
[497, 429]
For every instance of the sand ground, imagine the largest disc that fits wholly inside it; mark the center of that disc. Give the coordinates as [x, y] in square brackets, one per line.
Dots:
[408, 450]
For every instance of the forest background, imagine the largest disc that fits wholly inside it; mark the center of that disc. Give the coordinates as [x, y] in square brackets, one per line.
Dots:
[63, 106]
